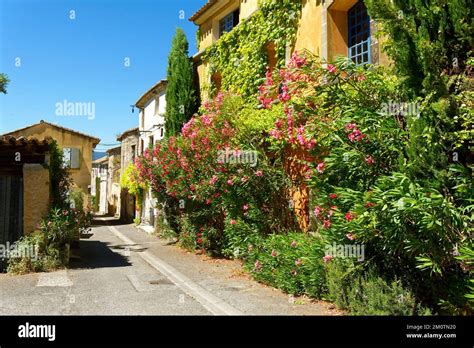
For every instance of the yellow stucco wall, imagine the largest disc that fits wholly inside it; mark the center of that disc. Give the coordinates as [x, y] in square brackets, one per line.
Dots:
[247, 7]
[82, 176]
[309, 33]
[36, 192]
[209, 23]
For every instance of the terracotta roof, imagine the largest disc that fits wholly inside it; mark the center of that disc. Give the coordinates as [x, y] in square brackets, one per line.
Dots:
[102, 160]
[127, 132]
[114, 149]
[145, 97]
[9, 140]
[203, 9]
[56, 126]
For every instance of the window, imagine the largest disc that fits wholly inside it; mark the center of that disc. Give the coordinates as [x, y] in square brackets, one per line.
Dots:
[227, 23]
[142, 145]
[151, 141]
[359, 34]
[71, 157]
[157, 106]
[133, 152]
[161, 132]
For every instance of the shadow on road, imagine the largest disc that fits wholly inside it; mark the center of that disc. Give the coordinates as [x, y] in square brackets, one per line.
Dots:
[96, 254]
[107, 221]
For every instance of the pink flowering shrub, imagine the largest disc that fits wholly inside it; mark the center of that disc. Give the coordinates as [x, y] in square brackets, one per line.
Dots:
[209, 175]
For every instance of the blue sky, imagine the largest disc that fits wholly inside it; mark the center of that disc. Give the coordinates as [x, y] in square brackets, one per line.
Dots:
[84, 59]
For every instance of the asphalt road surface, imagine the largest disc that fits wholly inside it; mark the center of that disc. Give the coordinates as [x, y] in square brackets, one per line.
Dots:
[125, 271]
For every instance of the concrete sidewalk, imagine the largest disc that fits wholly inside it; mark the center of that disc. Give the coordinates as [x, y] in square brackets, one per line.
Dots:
[225, 279]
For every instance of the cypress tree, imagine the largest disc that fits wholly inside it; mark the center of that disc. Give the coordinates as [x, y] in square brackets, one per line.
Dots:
[180, 96]
[428, 40]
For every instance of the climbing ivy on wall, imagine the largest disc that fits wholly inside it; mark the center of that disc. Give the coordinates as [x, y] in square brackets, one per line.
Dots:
[241, 56]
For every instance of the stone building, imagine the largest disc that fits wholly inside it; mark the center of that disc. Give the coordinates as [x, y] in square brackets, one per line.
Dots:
[113, 181]
[129, 150]
[152, 106]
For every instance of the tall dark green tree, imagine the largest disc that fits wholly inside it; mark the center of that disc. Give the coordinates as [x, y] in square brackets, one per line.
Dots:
[431, 44]
[180, 94]
[428, 40]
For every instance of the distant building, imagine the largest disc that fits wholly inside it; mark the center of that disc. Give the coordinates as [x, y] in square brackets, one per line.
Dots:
[113, 181]
[152, 106]
[99, 183]
[129, 151]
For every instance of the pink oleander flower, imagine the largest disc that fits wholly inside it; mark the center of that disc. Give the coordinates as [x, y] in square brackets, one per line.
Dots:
[213, 180]
[331, 68]
[350, 126]
[279, 123]
[276, 134]
[230, 182]
[333, 196]
[298, 262]
[317, 211]
[320, 167]
[233, 222]
[258, 265]
[208, 201]
[269, 78]
[259, 173]
[293, 244]
[206, 120]
[274, 253]
[327, 258]
[284, 96]
[297, 61]
[245, 207]
[326, 224]
[350, 236]
[349, 216]
[369, 160]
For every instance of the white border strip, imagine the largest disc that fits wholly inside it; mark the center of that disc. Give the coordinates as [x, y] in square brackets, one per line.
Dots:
[212, 303]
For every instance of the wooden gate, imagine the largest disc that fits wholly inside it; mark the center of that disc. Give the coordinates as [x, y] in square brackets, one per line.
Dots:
[11, 210]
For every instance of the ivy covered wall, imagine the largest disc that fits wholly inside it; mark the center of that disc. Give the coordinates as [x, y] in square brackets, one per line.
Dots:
[241, 57]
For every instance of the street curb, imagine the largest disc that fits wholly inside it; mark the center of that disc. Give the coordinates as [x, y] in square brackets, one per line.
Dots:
[212, 303]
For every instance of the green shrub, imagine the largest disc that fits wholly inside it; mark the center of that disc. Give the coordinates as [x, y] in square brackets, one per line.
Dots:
[364, 292]
[46, 258]
[292, 262]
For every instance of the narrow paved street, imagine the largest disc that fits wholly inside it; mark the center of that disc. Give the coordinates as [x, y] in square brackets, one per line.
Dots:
[125, 271]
